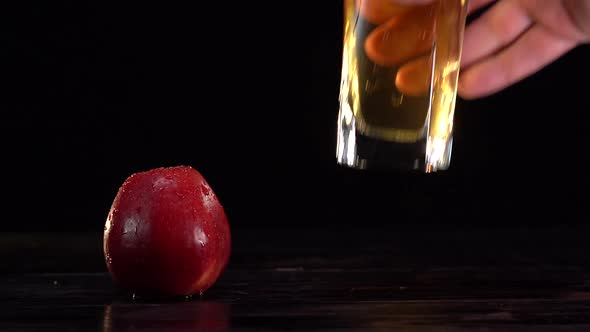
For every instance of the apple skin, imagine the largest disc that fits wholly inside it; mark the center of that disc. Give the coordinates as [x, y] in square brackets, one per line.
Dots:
[166, 233]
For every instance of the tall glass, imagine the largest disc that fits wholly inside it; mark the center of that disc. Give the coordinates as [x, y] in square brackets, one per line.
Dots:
[400, 68]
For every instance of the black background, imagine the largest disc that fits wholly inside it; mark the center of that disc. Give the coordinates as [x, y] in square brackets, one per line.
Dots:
[95, 92]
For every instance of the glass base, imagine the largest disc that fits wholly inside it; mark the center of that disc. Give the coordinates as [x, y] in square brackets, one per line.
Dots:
[359, 151]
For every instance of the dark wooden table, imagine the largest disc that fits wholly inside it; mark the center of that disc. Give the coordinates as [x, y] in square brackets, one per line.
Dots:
[325, 279]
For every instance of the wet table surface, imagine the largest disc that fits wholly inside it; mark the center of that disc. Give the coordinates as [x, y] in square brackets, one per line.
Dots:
[325, 279]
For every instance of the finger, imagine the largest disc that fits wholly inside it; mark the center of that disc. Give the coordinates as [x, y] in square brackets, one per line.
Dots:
[379, 11]
[496, 28]
[401, 38]
[579, 11]
[534, 50]
[474, 5]
[413, 78]
[412, 2]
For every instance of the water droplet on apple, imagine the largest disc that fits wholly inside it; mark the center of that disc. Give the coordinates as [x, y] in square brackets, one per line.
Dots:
[206, 191]
[202, 243]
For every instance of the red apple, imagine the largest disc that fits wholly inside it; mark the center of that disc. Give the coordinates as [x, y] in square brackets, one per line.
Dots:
[166, 233]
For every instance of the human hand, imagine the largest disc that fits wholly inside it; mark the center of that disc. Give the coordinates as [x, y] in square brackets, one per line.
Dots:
[513, 39]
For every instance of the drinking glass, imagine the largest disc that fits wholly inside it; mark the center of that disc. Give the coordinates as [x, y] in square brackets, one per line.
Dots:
[400, 67]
